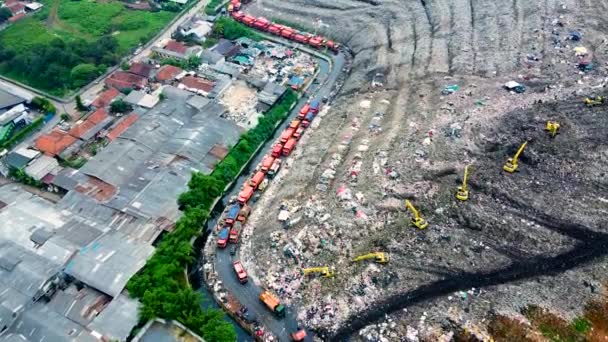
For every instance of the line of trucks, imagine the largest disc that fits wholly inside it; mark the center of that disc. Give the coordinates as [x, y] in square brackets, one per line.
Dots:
[263, 24]
[236, 214]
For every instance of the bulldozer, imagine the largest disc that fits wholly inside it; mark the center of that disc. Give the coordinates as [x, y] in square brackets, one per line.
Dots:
[462, 193]
[591, 101]
[379, 257]
[552, 127]
[511, 164]
[417, 221]
[324, 271]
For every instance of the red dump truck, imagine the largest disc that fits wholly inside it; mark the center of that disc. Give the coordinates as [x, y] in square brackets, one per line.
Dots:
[286, 135]
[238, 16]
[304, 111]
[245, 194]
[300, 38]
[233, 212]
[276, 150]
[267, 163]
[274, 168]
[248, 20]
[256, 179]
[287, 33]
[261, 24]
[236, 4]
[244, 214]
[295, 123]
[289, 146]
[272, 303]
[298, 133]
[222, 237]
[275, 29]
[316, 42]
[332, 45]
[234, 233]
[240, 272]
[298, 336]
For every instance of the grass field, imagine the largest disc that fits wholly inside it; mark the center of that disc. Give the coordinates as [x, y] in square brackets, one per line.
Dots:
[84, 20]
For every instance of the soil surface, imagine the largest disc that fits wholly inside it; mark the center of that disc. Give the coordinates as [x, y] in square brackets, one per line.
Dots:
[536, 236]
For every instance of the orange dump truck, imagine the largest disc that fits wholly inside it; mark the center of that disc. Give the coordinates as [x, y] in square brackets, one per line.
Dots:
[272, 303]
[245, 194]
[294, 124]
[286, 135]
[276, 150]
[256, 179]
[267, 163]
[304, 111]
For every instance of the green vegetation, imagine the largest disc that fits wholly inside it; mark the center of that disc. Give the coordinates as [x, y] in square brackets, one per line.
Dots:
[75, 162]
[23, 133]
[229, 28]
[159, 285]
[66, 117]
[68, 44]
[581, 325]
[43, 105]
[120, 106]
[5, 13]
[211, 6]
[79, 105]
[209, 42]
[22, 177]
[191, 63]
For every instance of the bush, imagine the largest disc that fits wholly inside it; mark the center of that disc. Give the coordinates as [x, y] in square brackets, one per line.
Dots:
[231, 29]
[120, 106]
[43, 105]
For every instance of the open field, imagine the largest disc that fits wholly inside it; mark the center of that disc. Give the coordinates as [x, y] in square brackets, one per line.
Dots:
[76, 27]
[535, 237]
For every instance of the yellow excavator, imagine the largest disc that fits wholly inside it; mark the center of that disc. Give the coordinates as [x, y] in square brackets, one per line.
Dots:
[552, 127]
[379, 257]
[417, 220]
[594, 101]
[511, 164]
[324, 271]
[462, 193]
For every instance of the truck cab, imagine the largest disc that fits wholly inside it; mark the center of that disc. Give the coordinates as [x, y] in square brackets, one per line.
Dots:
[274, 168]
[294, 124]
[298, 133]
[298, 336]
[303, 111]
[222, 237]
[315, 105]
[308, 119]
[240, 272]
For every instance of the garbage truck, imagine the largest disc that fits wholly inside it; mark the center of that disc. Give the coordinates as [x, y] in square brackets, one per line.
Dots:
[272, 303]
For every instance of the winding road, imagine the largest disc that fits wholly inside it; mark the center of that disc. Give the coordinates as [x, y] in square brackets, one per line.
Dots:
[248, 293]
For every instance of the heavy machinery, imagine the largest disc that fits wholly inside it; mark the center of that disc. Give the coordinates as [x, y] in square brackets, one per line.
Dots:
[552, 127]
[511, 164]
[379, 257]
[272, 303]
[417, 220]
[324, 271]
[591, 101]
[298, 336]
[462, 193]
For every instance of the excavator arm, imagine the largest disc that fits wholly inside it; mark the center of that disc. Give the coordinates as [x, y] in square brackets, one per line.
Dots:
[410, 206]
[379, 257]
[521, 149]
[417, 221]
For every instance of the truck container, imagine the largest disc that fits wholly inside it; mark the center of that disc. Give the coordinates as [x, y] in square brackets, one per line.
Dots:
[298, 133]
[233, 212]
[272, 303]
[276, 150]
[248, 20]
[234, 233]
[315, 42]
[287, 33]
[244, 214]
[275, 29]
[245, 194]
[261, 24]
[304, 111]
[330, 44]
[300, 38]
[257, 179]
[308, 119]
[295, 123]
[240, 272]
[238, 16]
[289, 146]
[274, 168]
[286, 135]
[222, 237]
[267, 163]
[315, 105]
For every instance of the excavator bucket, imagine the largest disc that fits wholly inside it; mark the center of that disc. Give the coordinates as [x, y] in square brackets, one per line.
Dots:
[510, 166]
[419, 223]
[462, 194]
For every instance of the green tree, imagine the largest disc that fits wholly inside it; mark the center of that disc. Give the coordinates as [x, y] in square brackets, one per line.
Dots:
[120, 106]
[5, 13]
[79, 105]
[124, 65]
[66, 117]
[84, 73]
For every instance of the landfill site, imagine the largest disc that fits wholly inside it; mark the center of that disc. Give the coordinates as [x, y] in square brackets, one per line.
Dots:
[368, 230]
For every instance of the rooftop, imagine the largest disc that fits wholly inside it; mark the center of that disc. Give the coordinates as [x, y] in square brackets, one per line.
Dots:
[176, 46]
[167, 72]
[141, 69]
[122, 126]
[105, 98]
[197, 83]
[226, 48]
[8, 100]
[54, 142]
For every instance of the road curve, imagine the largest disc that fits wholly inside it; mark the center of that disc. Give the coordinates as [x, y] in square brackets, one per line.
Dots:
[248, 293]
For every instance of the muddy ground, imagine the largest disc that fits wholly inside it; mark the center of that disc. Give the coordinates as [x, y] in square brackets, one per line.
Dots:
[538, 236]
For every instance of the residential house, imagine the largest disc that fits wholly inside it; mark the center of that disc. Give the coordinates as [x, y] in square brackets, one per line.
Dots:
[86, 129]
[41, 167]
[196, 28]
[19, 158]
[167, 73]
[196, 85]
[139, 98]
[54, 142]
[226, 48]
[211, 57]
[175, 49]
[142, 69]
[122, 126]
[105, 98]
[33, 6]
[123, 79]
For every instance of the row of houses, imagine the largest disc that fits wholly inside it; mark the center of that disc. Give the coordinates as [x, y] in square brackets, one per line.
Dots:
[19, 9]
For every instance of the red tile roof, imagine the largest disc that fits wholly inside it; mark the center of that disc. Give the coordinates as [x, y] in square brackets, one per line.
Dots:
[122, 126]
[78, 131]
[197, 83]
[105, 98]
[175, 46]
[122, 79]
[141, 69]
[167, 72]
[54, 142]
[16, 8]
[16, 17]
